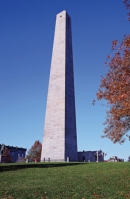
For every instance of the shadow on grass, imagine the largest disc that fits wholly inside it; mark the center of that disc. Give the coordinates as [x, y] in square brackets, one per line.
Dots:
[15, 166]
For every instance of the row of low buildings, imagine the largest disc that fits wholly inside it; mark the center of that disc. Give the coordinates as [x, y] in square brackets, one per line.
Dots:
[91, 156]
[14, 152]
[19, 152]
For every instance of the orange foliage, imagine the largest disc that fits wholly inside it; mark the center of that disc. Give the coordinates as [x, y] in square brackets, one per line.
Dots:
[115, 88]
[127, 5]
[6, 155]
[34, 153]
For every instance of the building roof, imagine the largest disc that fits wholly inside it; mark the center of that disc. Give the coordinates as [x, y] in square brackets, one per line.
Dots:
[14, 147]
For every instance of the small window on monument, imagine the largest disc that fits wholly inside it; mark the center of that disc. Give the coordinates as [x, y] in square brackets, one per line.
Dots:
[60, 16]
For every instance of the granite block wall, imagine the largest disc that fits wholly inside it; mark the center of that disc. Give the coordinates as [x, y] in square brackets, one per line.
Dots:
[59, 138]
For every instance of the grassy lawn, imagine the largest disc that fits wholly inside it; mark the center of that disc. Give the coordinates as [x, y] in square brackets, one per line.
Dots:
[58, 181]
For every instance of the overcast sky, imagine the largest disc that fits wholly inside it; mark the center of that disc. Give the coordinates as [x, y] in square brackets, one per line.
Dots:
[26, 40]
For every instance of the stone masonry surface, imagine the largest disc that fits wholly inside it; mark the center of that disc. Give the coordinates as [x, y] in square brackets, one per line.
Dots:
[60, 138]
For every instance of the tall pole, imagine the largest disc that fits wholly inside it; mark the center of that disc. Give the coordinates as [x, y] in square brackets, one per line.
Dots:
[97, 156]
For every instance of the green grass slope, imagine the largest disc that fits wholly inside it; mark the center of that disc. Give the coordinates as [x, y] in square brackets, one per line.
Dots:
[68, 181]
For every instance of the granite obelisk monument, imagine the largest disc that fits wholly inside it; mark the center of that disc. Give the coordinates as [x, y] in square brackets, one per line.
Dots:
[60, 137]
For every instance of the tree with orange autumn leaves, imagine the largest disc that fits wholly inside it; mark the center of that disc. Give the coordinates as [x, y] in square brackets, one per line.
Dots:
[127, 5]
[34, 153]
[6, 155]
[115, 88]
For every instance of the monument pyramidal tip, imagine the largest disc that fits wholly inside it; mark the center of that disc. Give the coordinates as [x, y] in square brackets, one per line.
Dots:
[60, 137]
